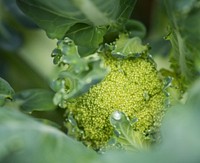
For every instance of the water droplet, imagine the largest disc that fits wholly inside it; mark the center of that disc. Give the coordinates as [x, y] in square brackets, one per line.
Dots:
[55, 52]
[67, 41]
[88, 80]
[101, 151]
[118, 54]
[146, 96]
[117, 115]
[168, 81]
[117, 133]
[112, 141]
[151, 60]
[71, 120]
[166, 93]
[137, 55]
[73, 130]
[64, 60]
[167, 102]
[134, 120]
[150, 131]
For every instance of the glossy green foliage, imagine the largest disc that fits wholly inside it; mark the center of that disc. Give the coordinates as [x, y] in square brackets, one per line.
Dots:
[57, 17]
[84, 21]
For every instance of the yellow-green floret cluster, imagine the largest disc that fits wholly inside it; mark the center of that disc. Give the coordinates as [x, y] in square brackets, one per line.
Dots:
[132, 87]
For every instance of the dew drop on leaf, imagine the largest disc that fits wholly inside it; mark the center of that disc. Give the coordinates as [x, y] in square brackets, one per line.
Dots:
[67, 41]
[72, 120]
[116, 118]
[133, 120]
[146, 96]
[167, 102]
[167, 94]
[117, 115]
[117, 133]
[55, 52]
[167, 82]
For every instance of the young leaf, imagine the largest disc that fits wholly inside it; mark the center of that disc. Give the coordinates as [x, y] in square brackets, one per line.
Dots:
[184, 37]
[23, 139]
[35, 100]
[6, 91]
[81, 72]
[128, 47]
[86, 37]
[56, 17]
[125, 136]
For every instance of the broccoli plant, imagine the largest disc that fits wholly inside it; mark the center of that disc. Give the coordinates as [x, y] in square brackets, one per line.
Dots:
[132, 86]
[115, 100]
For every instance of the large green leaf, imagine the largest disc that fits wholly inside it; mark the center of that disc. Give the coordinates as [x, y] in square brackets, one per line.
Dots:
[86, 37]
[6, 91]
[56, 17]
[23, 139]
[35, 100]
[185, 31]
[84, 21]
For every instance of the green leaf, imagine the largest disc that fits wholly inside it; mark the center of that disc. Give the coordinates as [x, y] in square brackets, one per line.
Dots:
[180, 132]
[23, 139]
[135, 28]
[126, 47]
[86, 37]
[126, 8]
[6, 91]
[79, 73]
[56, 17]
[35, 100]
[184, 37]
[125, 136]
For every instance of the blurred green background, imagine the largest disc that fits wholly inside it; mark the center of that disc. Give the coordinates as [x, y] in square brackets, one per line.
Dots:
[25, 50]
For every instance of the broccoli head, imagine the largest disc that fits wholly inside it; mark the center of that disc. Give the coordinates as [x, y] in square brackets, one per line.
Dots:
[133, 86]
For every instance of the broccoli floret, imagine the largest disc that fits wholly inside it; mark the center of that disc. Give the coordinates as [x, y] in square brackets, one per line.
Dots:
[133, 87]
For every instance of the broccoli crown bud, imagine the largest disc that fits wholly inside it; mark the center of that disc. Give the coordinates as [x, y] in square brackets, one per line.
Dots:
[133, 87]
